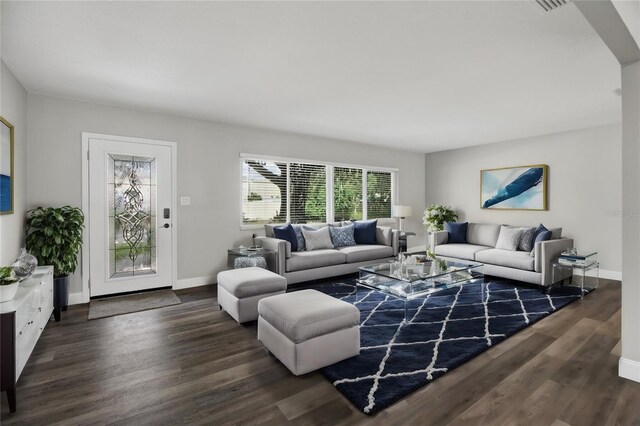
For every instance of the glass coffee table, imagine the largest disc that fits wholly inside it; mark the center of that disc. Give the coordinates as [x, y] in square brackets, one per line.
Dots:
[409, 281]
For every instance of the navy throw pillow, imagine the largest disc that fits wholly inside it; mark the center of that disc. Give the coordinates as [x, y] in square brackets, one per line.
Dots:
[287, 233]
[364, 231]
[542, 236]
[457, 231]
[541, 228]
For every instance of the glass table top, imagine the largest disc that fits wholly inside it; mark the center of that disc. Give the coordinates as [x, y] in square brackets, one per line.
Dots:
[419, 271]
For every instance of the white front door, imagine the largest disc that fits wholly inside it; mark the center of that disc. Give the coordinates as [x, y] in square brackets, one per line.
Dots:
[130, 215]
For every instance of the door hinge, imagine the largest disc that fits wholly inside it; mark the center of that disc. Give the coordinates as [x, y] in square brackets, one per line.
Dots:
[87, 155]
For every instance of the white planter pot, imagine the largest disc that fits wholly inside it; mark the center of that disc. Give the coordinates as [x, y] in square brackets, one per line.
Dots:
[8, 292]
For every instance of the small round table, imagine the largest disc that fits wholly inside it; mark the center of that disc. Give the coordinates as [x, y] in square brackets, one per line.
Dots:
[245, 258]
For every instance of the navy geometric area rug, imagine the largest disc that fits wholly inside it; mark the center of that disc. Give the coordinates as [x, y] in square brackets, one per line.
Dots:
[441, 332]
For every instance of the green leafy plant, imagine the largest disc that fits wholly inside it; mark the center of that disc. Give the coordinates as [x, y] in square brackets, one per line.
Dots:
[436, 215]
[7, 276]
[54, 237]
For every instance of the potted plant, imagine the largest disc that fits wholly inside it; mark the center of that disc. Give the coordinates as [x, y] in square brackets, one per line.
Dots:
[8, 284]
[435, 216]
[54, 237]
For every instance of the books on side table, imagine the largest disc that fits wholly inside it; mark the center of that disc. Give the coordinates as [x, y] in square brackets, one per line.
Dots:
[578, 259]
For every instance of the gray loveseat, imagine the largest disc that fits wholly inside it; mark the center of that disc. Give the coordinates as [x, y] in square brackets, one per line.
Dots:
[311, 265]
[515, 265]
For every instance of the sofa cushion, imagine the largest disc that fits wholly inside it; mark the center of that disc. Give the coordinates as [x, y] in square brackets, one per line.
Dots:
[483, 234]
[314, 259]
[556, 233]
[299, 237]
[287, 233]
[303, 315]
[460, 251]
[457, 231]
[365, 231]
[363, 252]
[342, 236]
[509, 238]
[247, 282]
[383, 235]
[317, 239]
[508, 258]
[526, 239]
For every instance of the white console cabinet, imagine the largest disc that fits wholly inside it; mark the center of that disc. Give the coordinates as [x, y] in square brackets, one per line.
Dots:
[21, 323]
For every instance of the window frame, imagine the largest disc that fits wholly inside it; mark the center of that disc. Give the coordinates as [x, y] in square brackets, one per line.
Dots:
[330, 165]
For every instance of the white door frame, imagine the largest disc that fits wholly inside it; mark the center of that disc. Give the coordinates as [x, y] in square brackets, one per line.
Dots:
[85, 265]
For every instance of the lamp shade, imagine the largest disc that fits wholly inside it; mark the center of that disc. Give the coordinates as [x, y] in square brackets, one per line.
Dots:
[401, 211]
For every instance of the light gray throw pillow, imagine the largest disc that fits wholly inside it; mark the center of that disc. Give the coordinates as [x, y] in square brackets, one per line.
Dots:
[317, 239]
[509, 238]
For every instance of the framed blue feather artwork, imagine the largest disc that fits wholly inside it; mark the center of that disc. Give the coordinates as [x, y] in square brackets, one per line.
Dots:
[6, 167]
[514, 188]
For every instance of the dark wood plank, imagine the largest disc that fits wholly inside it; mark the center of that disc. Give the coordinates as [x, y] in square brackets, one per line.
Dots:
[192, 364]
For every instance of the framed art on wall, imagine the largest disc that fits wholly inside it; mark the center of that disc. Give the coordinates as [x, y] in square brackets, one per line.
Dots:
[514, 188]
[6, 167]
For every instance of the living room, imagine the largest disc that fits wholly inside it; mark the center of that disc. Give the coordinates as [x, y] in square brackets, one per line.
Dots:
[429, 97]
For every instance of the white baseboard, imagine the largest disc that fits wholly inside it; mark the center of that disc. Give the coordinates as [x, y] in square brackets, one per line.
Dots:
[193, 282]
[629, 369]
[606, 274]
[75, 298]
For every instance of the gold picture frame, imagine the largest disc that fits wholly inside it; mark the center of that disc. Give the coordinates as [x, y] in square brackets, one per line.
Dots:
[514, 188]
[6, 181]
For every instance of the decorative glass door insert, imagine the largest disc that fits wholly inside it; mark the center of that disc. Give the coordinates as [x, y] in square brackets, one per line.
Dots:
[131, 220]
[132, 215]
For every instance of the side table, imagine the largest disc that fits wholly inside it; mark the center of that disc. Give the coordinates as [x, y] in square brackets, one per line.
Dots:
[402, 241]
[576, 264]
[243, 258]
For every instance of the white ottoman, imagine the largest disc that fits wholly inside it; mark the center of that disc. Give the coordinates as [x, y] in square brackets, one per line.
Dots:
[239, 291]
[307, 330]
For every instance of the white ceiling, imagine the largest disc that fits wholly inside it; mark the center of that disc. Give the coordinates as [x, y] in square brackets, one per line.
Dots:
[424, 76]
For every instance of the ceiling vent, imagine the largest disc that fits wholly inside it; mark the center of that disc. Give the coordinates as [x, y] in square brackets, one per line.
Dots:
[549, 5]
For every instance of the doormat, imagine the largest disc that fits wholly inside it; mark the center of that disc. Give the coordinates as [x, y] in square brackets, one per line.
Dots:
[119, 305]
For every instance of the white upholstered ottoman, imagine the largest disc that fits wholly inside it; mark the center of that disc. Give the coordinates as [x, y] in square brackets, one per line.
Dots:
[239, 291]
[307, 330]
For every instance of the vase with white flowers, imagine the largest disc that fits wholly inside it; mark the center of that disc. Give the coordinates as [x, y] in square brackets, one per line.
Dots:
[435, 216]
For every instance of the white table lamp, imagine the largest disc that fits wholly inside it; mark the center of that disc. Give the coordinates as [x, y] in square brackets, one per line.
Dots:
[401, 212]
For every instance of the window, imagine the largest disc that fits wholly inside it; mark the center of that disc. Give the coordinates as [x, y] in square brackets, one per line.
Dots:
[264, 192]
[300, 192]
[308, 193]
[347, 193]
[378, 195]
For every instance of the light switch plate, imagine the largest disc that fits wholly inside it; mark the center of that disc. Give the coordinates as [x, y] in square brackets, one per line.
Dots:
[185, 201]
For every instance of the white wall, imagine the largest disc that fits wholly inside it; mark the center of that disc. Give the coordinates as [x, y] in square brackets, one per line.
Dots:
[585, 195]
[208, 170]
[13, 107]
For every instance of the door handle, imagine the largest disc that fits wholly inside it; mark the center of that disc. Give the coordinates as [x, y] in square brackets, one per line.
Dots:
[166, 225]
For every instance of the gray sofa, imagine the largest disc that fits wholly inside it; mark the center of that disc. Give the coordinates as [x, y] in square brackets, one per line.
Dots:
[311, 265]
[515, 265]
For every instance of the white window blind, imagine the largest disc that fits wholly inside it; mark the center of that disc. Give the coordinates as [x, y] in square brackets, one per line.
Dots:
[281, 190]
[347, 193]
[378, 194]
[307, 193]
[264, 192]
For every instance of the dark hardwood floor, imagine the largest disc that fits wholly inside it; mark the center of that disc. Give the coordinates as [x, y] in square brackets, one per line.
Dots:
[192, 364]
